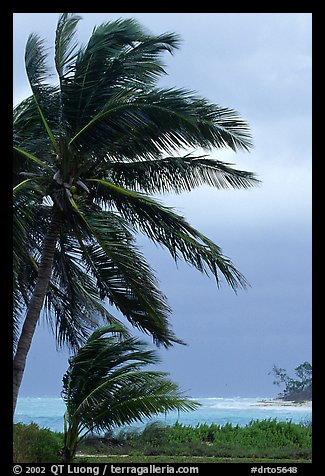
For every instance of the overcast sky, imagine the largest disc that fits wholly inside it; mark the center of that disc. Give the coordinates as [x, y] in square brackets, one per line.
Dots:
[260, 65]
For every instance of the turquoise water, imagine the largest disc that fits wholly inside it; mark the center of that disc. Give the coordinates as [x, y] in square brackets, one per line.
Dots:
[48, 412]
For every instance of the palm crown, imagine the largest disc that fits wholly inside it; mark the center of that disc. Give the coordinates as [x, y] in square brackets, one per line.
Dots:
[107, 386]
[87, 152]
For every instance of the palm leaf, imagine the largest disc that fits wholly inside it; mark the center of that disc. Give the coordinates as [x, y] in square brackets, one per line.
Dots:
[106, 386]
[175, 174]
[37, 71]
[29, 223]
[31, 157]
[122, 274]
[119, 54]
[65, 45]
[162, 225]
[73, 304]
[36, 61]
[132, 397]
[165, 120]
[29, 133]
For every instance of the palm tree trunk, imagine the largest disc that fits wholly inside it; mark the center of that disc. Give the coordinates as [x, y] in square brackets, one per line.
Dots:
[71, 438]
[36, 302]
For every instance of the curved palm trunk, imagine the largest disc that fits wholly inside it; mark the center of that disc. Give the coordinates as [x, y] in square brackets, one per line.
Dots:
[36, 302]
[71, 438]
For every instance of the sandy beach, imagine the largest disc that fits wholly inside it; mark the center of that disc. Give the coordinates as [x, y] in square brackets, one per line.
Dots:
[282, 403]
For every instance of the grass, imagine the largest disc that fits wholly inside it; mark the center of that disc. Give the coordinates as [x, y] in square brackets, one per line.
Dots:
[264, 441]
[181, 459]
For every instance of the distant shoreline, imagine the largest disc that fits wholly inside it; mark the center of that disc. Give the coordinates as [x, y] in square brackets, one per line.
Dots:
[277, 402]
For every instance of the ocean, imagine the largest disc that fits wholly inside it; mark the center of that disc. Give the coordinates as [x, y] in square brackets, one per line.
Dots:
[48, 412]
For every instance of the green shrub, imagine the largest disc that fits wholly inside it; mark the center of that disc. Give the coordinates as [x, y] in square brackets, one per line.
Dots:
[33, 444]
[259, 439]
[153, 435]
[258, 434]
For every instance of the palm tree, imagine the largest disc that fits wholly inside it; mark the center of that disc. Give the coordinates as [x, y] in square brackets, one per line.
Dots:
[87, 152]
[105, 386]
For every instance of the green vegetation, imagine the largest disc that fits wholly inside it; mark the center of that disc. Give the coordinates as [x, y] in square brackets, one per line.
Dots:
[182, 459]
[32, 444]
[105, 386]
[260, 439]
[265, 441]
[295, 389]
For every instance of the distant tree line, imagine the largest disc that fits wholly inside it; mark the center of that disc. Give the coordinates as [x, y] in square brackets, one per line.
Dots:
[299, 389]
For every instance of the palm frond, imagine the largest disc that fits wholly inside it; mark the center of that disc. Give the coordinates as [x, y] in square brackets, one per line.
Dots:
[29, 131]
[106, 386]
[31, 157]
[163, 226]
[73, 305]
[176, 174]
[28, 232]
[36, 61]
[144, 125]
[134, 396]
[119, 54]
[37, 71]
[65, 45]
[123, 276]
[161, 396]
